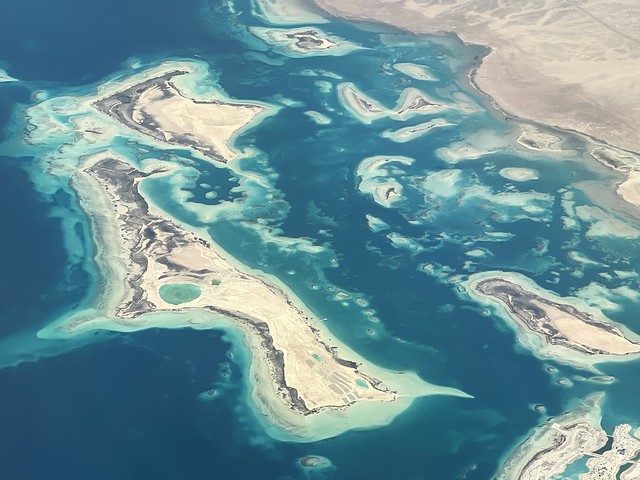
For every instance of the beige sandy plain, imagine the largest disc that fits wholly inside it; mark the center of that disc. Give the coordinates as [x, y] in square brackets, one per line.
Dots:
[210, 123]
[571, 64]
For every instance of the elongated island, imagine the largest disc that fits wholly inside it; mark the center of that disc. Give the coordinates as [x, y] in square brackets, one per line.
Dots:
[564, 329]
[303, 384]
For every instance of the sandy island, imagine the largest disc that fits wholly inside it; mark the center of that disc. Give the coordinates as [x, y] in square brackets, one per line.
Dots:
[629, 190]
[566, 64]
[304, 41]
[156, 108]
[304, 385]
[5, 77]
[564, 329]
[416, 71]
[519, 174]
[553, 446]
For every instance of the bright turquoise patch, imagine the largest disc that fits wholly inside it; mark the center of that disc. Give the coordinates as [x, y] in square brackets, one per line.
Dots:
[362, 383]
[177, 293]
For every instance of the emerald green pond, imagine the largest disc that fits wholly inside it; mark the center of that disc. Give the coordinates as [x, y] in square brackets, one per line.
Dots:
[177, 293]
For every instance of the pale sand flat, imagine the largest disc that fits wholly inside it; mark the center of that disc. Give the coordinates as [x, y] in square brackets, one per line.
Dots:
[519, 174]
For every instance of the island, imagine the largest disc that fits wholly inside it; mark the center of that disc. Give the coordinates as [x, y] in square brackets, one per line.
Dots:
[533, 137]
[552, 448]
[564, 329]
[413, 70]
[156, 108]
[154, 272]
[519, 174]
[304, 41]
[5, 77]
[408, 134]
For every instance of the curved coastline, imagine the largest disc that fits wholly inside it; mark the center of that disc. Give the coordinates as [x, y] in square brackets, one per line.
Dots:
[302, 386]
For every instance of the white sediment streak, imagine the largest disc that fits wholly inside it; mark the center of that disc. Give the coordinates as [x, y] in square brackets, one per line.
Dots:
[564, 329]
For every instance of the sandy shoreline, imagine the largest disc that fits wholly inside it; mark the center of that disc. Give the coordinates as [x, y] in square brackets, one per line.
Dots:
[567, 66]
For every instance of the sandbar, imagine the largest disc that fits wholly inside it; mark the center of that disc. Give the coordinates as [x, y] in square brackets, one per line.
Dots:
[416, 71]
[5, 77]
[408, 134]
[629, 190]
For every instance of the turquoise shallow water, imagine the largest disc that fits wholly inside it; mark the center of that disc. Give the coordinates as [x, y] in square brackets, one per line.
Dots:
[177, 293]
[80, 410]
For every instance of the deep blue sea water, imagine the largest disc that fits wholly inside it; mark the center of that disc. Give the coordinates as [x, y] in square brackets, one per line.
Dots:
[129, 405]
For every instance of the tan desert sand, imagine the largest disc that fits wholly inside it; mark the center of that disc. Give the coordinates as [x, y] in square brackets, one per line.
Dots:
[571, 64]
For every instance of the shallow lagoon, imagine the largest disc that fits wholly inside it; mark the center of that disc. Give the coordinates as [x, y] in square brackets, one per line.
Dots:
[178, 293]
